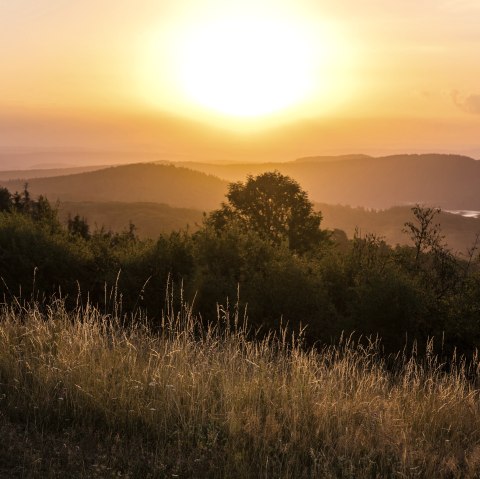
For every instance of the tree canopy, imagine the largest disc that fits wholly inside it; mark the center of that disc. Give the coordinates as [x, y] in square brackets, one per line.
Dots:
[275, 207]
[5, 199]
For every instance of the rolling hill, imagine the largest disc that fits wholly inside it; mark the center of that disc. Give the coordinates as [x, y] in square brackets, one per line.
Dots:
[143, 182]
[159, 198]
[459, 232]
[449, 181]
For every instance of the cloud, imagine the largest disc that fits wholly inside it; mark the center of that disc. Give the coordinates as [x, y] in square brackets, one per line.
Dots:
[470, 103]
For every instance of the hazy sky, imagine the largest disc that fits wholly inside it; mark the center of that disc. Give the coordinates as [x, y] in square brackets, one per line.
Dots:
[371, 75]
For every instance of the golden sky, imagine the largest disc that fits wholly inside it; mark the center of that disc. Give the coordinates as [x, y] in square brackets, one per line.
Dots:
[297, 76]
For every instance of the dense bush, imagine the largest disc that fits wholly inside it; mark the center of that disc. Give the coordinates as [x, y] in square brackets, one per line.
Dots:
[363, 285]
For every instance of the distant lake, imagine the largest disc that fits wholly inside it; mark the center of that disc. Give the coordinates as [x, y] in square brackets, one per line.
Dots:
[466, 213]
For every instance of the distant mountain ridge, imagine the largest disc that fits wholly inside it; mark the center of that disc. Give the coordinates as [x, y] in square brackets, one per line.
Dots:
[65, 158]
[360, 156]
[141, 192]
[312, 159]
[8, 175]
[448, 181]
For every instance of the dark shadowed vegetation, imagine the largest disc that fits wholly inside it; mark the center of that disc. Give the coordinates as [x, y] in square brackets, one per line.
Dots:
[140, 192]
[235, 350]
[328, 284]
[151, 219]
[460, 232]
[274, 207]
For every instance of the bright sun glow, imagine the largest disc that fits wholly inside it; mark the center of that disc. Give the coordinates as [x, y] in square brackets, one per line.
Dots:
[246, 66]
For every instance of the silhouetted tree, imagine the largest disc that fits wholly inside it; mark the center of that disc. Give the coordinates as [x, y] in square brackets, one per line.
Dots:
[275, 207]
[43, 212]
[424, 233]
[5, 199]
[78, 226]
[433, 259]
[39, 210]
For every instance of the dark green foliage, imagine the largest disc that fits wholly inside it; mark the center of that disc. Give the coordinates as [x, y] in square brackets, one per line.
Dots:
[459, 231]
[433, 262]
[371, 294]
[39, 210]
[78, 226]
[151, 266]
[5, 199]
[227, 261]
[33, 259]
[424, 233]
[338, 286]
[275, 207]
[271, 283]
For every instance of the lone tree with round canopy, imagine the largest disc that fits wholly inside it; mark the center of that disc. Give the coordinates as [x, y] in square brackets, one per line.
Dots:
[274, 206]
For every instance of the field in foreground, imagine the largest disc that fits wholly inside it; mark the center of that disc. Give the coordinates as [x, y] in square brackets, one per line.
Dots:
[81, 396]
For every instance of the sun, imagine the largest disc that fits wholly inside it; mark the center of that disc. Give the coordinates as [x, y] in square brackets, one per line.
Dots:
[243, 65]
[246, 66]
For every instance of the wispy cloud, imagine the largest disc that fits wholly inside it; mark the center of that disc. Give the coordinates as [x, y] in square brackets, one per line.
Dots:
[469, 103]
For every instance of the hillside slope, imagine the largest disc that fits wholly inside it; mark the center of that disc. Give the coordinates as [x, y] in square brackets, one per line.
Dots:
[175, 186]
[459, 232]
[448, 181]
[150, 219]
[153, 219]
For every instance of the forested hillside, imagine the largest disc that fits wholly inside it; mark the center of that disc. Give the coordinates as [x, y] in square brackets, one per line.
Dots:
[460, 232]
[170, 197]
[448, 181]
[153, 219]
[150, 219]
[179, 187]
[269, 254]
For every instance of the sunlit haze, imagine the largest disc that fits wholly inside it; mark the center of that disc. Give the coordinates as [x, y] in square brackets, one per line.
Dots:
[221, 80]
[244, 65]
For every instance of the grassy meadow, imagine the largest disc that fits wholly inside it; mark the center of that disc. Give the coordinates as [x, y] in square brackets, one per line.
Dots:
[152, 378]
[84, 394]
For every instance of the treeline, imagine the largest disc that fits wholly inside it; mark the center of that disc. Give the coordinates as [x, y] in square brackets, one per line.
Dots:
[316, 282]
[459, 231]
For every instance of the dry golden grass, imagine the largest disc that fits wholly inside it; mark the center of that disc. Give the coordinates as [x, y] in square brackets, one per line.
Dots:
[196, 401]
